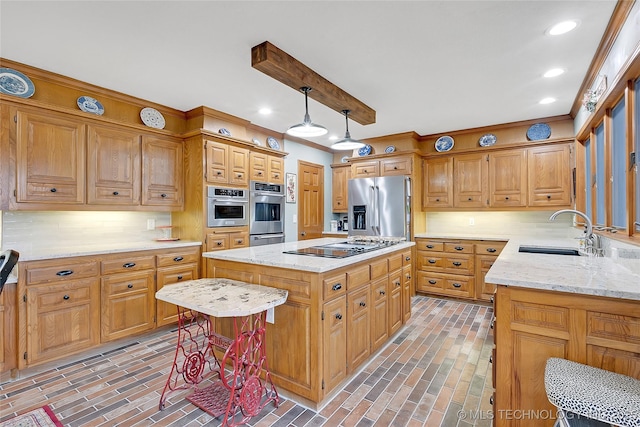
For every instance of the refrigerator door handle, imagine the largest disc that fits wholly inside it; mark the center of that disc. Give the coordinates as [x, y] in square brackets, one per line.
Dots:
[377, 205]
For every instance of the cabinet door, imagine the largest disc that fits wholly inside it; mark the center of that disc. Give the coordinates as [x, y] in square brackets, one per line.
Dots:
[258, 166]
[275, 169]
[335, 339]
[406, 293]
[339, 185]
[162, 172]
[63, 319]
[395, 301]
[396, 166]
[365, 169]
[128, 304]
[438, 183]
[217, 162]
[168, 313]
[113, 172]
[380, 315]
[484, 291]
[508, 178]
[239, 239]
[470, 181]
[358, 321]
[238, 166]
[51, 152]
[549, 175]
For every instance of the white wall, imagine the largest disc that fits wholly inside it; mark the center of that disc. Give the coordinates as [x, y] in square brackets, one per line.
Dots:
[302, 152]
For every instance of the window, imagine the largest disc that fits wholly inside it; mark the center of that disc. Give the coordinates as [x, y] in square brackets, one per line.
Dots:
[637, 153]
[588, 179]
[600, 185]
[619, 166]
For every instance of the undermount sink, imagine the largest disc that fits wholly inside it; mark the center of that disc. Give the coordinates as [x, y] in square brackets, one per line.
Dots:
[548, 250]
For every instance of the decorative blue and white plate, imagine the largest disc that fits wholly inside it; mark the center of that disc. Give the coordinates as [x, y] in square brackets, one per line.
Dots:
[487, 140]
[13, 82]
[538, 131]
[256, 141]
[224, 131]
[390, 149]
[152, 118]
[90, 105]
[364, 151]
[444, 143]
[344, 159]
[273, 143]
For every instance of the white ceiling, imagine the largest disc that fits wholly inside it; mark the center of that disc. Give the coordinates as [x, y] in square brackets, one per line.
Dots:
[424, 66]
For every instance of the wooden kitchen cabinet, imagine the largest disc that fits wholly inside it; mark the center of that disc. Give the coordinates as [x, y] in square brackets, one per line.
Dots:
[508, 178]
[486, 254]
[226, 164]
[175, 267]
[335, 338]
[225, 238]
[549, 175]
[162, 172]
[470, 172]
[340, 188]
[445, 267]
[397, 165]
[438, 183]
[266, 168]
[533, 325]
[8, 329]
[407, 291]
[128, 296]
[113, 166]
[358, 327]
[51, 159]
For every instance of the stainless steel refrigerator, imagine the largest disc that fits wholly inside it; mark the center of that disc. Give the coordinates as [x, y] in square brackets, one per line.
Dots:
[380, 206]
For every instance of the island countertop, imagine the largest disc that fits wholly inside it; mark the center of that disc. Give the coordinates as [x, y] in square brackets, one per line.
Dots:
[272, 255]
[614, 277]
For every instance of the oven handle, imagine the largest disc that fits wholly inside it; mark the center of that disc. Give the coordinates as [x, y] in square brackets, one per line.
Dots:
[267, 236]
[268, 194]
[223, 199]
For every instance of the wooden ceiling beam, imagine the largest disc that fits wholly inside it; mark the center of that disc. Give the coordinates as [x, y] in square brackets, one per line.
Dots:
[286, 69]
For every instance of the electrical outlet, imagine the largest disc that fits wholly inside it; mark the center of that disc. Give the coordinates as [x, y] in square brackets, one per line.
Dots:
[472, 221]
[295, 218]
[151, 224]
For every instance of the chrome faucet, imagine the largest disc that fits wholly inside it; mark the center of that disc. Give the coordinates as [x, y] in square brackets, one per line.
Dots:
[592, 242]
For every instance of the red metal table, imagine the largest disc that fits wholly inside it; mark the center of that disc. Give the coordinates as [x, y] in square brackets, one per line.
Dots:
[238, 393]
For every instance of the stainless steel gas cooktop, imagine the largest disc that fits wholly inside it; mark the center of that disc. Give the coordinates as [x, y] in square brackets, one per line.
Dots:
[343, 249]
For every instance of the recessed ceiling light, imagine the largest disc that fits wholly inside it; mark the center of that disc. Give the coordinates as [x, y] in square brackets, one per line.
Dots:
[562, 27]
[265, 110]
[554, 72]
[547, 100]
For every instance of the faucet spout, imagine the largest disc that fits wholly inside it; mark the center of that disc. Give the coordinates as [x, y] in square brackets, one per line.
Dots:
[593, 243]
[589, 230]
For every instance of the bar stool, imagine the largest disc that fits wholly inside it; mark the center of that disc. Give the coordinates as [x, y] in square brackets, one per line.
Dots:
[8, 260]
[591, 397]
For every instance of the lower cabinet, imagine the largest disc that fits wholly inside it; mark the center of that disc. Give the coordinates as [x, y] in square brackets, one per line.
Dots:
[358, 327]
[224, 238]
[380, 317]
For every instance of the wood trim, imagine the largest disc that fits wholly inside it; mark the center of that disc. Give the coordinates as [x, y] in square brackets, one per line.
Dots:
[631, 126]
[618, 18]
[524, 144]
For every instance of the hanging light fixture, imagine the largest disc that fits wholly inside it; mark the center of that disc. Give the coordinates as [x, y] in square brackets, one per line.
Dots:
[306, 128]
[347, 143]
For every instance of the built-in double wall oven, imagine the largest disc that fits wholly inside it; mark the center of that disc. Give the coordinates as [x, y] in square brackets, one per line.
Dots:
[227, 207]
[266, 223]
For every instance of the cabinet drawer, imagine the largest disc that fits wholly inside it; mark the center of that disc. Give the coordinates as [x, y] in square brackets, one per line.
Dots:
[489, 248]
[217, 242]
[365, 169]
[429, 245]
[127, 283]
[176, 274]
[395, 280]
[358, 302]
[460, 284]
[395, 262]
[429, 281]
[359, 276]
[406, 258]
[334, 286]
[379, 269]
[431, 261]
[127, 264]
[379, 291]
[459, 247]
[60, 297]
[238, 240]
[178, 258]
[395, 167]
[459, 264]
[62, 271]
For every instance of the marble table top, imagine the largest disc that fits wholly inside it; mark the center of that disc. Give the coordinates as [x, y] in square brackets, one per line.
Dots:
[222, 297]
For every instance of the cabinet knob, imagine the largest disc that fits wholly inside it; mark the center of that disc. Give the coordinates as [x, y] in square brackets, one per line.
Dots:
[180, 277]
[382, 292]
[407, 258]
[129, 264]
[458, 248]
[457, 264]
[506, 198]
[365, 171]
[303, 233]
[548, 196]
[115, 193]
[492, 250]
[336, 287]
[178, 259]
[432, 261]
[277, 175]
[398, 283]
[469, 199]
[437, 200]
[339, 316]
[130, 286]
[491, 400]
[219, 243]
[339, 203]
[163, 195]
[490, 359]
[395, 168]
[53, 190]
[491, 299]
[239, 241]
[456, 285]
[219, 173]
[363, 304]
[432, 282]
[429, 246]
[66, 297]
[492, 322]
[408, 277]
[239, 175]
[260, 173]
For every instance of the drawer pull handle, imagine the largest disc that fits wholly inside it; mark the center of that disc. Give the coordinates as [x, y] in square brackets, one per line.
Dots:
[129, 264]
[457, 285]
[115, 193]
[458, 248]
[336, 287]
[363, 304]
[408, 277]
[130, 286]
[339, 316]
[437, 200]
[432, 282]
[53, 190]
[219, 243]
[491, 299]
[219, 172]
[429, 246]
[180, 277]
[492, 322]
[457, 264]
[382, 293]
[432, 261]
[492, 250]
[407, 258]
[398, 283]
[491, 400]
[163, 195]
[66, 297]
[239, 241]
[490, 359]
[64, 273]
[178, 259]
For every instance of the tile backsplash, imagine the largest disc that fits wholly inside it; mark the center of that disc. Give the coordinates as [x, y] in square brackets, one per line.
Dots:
[26, 231]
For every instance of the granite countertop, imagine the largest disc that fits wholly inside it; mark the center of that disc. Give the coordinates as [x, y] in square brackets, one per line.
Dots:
[466, 236]
[614, 277]
[272, 255]
[222, 297]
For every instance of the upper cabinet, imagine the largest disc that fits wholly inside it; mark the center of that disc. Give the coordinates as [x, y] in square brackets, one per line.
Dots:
[50, 159]
[162, 172]
[266, 168]
[400, 165]
[226, 164]
[538, 176]
[340, 188]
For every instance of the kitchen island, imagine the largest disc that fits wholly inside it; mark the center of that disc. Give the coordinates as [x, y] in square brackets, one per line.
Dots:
[578, 308]
[338, 313]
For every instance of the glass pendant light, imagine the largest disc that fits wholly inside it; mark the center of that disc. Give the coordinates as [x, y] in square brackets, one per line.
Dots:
[306, 128]
[347, 143]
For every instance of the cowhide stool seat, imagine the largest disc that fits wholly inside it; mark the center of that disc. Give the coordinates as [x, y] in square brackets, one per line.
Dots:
[589, 396]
